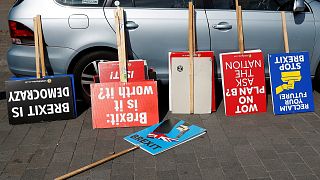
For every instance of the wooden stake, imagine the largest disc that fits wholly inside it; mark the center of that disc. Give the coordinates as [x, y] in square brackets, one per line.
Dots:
[240, 29]
[191, 37]
[285, 32]
[85, 168]
[194, 28]
[36, 47]
[121, 43]
[41, 49]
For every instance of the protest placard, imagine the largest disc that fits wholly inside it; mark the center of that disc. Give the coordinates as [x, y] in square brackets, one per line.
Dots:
[290, 79]
[118, 104]
[109, 71]
[40, 98]
[165, 135]
[291, 86]
[243, 82]
[34, 100]
[179, 83]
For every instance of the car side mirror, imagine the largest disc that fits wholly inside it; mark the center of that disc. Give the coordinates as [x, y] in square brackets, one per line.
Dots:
[298, 6]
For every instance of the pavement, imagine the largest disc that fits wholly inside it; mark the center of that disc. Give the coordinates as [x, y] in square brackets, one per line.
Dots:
[260, 146]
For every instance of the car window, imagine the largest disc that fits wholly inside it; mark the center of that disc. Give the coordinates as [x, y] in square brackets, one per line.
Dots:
[199, 4]
[265, 5]
[124, 3]
[86, 3]
[162, 3]
[219, 4]
[268, 5]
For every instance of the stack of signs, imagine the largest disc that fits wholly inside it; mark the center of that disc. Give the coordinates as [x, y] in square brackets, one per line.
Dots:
[243, 82]
[179, 83]
[165, 135]
[109, 71]
[125, 98]
[291, 86]
[45, 98]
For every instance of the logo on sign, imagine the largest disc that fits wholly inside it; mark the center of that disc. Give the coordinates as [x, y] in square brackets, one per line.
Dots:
[180, 68]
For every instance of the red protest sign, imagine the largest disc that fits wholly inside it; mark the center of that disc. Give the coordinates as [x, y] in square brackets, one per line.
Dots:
[117, 104]
[244, 88]
[109, 71]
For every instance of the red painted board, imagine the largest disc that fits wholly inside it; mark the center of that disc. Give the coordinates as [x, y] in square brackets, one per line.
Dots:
[244, 88]
[109, 71]
[117, 104]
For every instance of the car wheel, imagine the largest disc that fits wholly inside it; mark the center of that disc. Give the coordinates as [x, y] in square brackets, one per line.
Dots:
[86, 69]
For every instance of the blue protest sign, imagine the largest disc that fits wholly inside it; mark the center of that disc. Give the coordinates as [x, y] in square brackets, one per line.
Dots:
[291, 85]
[165, 135]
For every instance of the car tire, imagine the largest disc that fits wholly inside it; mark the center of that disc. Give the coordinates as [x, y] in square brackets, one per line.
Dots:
[86, 70]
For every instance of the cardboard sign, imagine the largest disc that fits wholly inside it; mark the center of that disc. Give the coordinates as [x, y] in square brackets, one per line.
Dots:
[130, 104]
[243, 82]
[165, 135]
[291, 85]
[179, 82]
[109, 71]
[33, 100]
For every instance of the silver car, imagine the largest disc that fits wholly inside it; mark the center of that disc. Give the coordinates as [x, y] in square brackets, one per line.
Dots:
[80, 33]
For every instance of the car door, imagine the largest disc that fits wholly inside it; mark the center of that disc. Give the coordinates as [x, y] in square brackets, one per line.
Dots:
[262, 27]
[223, 27]
[157, 27]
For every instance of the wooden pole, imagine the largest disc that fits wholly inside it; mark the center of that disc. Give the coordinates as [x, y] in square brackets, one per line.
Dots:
[285, 32]
[240, 29]
[85, 168]
[191, 38]
[121, 43]
[41, 49]
[36, 47]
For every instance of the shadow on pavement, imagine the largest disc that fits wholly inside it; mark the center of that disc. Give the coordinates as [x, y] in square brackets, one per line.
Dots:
[163, 99]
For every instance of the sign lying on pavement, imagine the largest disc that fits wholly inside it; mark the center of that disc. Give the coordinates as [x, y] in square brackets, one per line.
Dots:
[117, 104]
[34, 100]
[243, 82]
[291, 85]
[165, 135]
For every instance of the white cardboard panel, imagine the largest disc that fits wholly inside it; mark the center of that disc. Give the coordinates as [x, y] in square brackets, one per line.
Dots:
[202, 85]
[180, 86]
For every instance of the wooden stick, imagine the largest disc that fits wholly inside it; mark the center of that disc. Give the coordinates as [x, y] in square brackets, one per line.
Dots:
[194, 28]
[41, 49]
[36, 47]
[85, 168]
[121, 42]
[237, 4]
[240, 29]
[191, 38]
[285, 32]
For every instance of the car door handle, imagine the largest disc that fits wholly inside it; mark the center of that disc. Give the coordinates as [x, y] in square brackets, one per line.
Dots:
[131, 25]
[222, 26]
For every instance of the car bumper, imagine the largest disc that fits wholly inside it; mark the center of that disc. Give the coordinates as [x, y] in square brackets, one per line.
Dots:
[21, 59]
